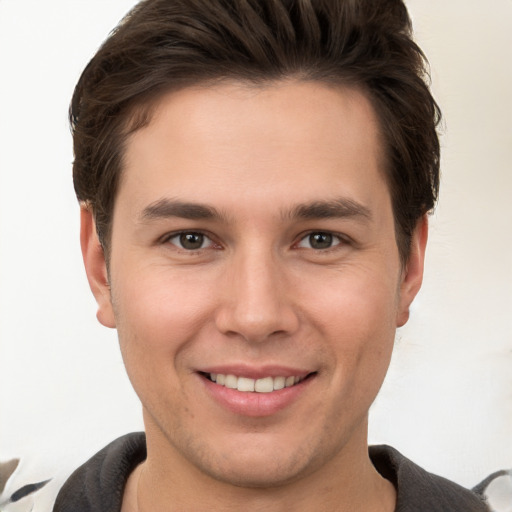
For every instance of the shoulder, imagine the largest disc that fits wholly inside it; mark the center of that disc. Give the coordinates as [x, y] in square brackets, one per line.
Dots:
[98, 485]
[420, 490]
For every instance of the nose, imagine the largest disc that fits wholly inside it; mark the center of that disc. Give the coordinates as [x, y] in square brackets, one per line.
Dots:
[257, 299]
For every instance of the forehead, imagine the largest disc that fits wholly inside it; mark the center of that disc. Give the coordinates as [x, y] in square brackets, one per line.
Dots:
[302, 140]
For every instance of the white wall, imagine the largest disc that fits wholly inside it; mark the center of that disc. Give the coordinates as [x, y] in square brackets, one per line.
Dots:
[63, 393]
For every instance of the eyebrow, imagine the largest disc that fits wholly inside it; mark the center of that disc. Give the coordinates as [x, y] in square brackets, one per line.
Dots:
[333, 209]
[166, 208]
[337, 208]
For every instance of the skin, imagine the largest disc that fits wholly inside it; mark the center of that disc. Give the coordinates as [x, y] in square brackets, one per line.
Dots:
[258, 292]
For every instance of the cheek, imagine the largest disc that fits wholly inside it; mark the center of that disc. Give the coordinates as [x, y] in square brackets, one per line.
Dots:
[358, 305]
[357, 316]
[157, 315]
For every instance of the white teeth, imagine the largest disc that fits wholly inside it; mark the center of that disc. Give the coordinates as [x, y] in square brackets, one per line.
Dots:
[265, 385]
[231, 382]
[279, 383]
[290, 381]
[244, 384]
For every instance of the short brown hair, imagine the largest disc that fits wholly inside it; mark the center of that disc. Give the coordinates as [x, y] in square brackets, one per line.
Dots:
[163, 45]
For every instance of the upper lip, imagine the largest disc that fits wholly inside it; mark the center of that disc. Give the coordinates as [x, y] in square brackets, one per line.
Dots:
[256, 372]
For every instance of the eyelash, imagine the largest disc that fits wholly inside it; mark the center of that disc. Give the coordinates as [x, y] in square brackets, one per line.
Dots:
[342, 240]
[180, 234]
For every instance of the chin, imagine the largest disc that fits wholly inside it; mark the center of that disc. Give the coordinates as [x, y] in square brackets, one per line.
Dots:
[253, 462]
[257, 474]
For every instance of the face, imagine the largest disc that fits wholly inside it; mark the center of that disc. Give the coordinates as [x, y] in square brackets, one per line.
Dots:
[255, 278]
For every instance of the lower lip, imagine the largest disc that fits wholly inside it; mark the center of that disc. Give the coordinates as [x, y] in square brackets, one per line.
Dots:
[255, 404]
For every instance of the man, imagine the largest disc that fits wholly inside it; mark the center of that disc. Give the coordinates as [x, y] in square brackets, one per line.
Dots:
[254, 179]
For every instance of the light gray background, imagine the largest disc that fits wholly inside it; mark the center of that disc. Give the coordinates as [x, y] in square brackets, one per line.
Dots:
[447, 402]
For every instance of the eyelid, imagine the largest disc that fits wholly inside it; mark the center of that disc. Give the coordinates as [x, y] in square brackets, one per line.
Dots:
[166, 239]
[343, 239]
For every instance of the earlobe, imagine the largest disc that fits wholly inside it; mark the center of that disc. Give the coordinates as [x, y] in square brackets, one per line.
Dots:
[412, 276]
[95, 267]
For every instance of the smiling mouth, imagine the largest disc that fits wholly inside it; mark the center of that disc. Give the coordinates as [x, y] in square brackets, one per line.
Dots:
[247, 385]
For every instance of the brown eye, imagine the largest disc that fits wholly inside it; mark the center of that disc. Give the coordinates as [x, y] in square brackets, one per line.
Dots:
[190, 241]
[320, 240]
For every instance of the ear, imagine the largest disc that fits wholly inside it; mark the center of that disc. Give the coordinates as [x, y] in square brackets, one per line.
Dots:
[96, 267]
[412, 274]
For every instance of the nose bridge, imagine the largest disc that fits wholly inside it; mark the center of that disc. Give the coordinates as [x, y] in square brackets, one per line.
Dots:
[257, 304]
